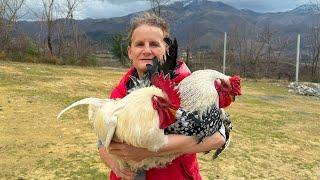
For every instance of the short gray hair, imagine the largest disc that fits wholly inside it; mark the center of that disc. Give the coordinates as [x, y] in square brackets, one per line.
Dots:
[147, 18]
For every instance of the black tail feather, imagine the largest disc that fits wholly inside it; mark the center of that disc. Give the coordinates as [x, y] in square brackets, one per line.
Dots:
[169, 62]
[228, 127]
[171, 56]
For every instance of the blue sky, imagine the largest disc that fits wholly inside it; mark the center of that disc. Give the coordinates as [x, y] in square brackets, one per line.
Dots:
[116, 8]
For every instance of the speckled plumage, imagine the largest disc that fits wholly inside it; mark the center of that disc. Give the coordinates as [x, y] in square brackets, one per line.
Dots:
[197, 91]
[190, 123]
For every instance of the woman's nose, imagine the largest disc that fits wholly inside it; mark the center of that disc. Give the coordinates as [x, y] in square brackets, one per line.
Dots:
[146, 49]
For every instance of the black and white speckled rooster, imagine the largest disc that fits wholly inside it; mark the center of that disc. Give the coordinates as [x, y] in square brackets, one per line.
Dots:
[203, 95]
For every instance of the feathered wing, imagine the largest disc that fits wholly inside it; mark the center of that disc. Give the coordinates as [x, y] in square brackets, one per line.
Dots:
[105, 123]
[138, 121]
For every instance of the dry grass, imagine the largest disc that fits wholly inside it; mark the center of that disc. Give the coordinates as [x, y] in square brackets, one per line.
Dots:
[276, 134]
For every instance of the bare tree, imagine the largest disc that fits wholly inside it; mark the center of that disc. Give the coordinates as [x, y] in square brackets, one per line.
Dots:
[314, 51]
[156, 6]
[72, 5]
[314, 40]
[9, 9]
[9, 14]
[2, 21]
[267, 37]
[68, 27]
[244, 49]
[49, 16]
[248, 46]
[190, 47]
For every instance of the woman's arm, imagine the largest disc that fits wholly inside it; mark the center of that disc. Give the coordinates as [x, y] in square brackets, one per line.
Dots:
[209, 143]
[177, 144]
[181, 144]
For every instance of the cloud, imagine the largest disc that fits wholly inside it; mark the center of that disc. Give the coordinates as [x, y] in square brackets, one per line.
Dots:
[106, 9]
[89, 8]
[116, 8]
[119, 1]
[266, 6]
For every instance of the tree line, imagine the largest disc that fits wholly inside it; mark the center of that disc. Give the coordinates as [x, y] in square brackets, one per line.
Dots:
[261, 53]
[59, 39]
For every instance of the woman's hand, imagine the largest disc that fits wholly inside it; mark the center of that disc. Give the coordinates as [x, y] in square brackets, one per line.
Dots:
[128, 152]
[114, 165]
[214, 141]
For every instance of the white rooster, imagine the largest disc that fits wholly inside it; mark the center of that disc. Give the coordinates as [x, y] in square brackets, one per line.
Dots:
[140, 117]
[134, 120]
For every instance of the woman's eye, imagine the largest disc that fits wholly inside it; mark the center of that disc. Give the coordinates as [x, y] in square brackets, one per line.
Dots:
[139, 44]
[154, 44]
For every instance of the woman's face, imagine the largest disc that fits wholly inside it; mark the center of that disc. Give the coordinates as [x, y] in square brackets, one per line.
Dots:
[146, 43]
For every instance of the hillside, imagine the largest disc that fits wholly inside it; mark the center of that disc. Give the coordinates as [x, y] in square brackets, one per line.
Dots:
[275, 134]
[201, 22]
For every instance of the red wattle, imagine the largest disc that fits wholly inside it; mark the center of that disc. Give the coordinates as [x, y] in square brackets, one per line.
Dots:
[235, 85]
[164, 109]
[223, 92]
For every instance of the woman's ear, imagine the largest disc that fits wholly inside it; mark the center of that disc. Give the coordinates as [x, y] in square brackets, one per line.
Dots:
[129, 52]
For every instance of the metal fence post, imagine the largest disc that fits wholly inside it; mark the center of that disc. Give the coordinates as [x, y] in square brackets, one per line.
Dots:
[298, 58]
[224, 53]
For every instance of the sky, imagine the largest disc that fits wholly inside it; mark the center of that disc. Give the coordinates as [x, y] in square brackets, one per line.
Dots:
[115, 8]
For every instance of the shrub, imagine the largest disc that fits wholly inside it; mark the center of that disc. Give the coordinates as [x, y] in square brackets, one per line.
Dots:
[3, 55]
[92, 60]
[32, 49]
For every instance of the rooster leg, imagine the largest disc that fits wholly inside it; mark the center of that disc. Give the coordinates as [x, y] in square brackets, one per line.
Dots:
[111, 124]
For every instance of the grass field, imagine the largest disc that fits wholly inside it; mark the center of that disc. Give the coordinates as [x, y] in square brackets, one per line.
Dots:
[276, 134]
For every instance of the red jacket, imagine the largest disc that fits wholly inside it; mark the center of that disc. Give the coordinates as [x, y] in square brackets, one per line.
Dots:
[183, 167]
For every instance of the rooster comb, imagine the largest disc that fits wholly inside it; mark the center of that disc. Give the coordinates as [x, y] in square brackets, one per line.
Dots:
[168, 87]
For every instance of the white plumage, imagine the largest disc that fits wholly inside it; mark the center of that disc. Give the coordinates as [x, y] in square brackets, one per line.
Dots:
[132, 120]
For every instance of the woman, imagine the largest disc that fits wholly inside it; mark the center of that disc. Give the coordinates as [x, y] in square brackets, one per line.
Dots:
[145, 43]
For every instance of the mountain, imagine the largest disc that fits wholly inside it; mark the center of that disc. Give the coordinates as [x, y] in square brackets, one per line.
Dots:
[199, 23]
[306, 9]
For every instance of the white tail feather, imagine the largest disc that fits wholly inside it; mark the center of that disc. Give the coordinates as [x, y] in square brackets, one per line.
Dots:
[86, 101]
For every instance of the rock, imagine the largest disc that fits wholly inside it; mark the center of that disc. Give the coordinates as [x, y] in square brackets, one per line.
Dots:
[305, 88]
